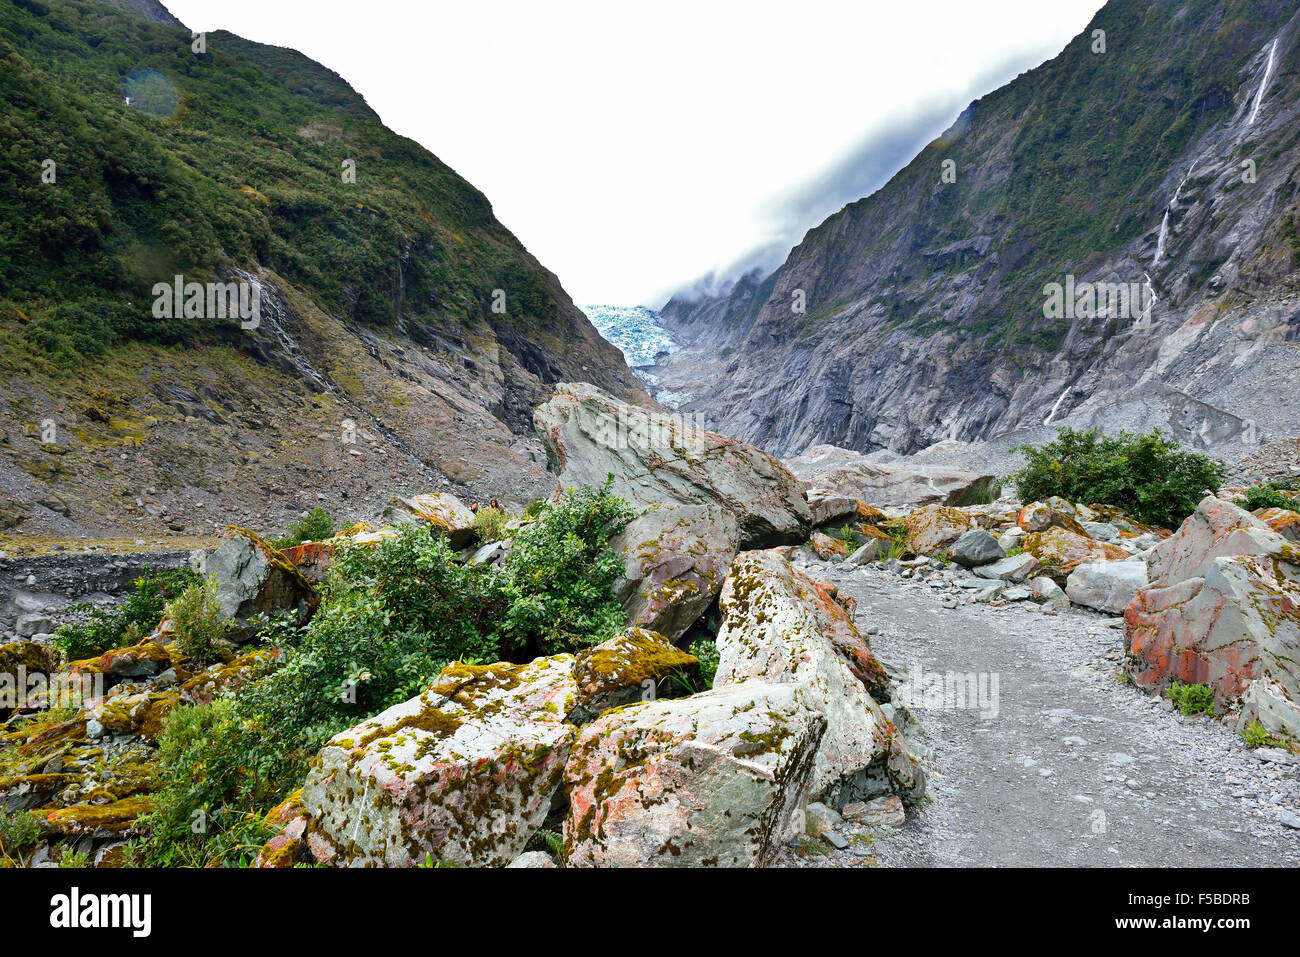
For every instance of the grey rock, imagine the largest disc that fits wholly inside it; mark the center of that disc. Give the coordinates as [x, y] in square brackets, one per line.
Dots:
[1106, 586]
[659, 459]
[1013, 568]
[976, 547]
[532, 859]
[1102, 531]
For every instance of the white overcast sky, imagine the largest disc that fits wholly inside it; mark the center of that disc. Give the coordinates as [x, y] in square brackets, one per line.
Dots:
[634, 149]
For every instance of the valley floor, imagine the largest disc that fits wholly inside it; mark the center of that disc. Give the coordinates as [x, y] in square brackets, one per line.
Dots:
[1077, 768]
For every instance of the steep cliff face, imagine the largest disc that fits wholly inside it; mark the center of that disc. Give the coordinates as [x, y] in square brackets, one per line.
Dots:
[405, 335]
[1166, 164]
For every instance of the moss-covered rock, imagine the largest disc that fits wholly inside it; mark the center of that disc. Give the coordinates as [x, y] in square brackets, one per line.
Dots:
[1060, 551]
[932, 527]
[674, 560]
[465, 772]
[625, 669]
[779, 625]
[715, 779]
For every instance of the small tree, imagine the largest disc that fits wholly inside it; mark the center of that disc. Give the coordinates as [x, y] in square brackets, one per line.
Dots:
[1147, 476]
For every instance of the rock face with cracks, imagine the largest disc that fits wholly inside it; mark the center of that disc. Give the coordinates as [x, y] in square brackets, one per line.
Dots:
[715, 779]
[658, 459]
[674, 561]
[1223, 609]
[778, 625]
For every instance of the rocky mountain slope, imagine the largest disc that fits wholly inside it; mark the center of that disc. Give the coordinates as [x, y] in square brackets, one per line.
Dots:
[404, 334]
[1162, 156]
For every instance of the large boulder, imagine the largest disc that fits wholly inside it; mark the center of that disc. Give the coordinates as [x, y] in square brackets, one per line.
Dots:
[1223, 609]
[831, 508]
[779, 625]
[658, 459]
[444, 513]
[716, 779]
[674, 560]
[1059, 551]
[853, 475]
[1106, 586]
[465, 772]
[253, 578]
[932, 527]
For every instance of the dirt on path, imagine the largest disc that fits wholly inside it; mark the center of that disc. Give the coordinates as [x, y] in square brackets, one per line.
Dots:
[1055, 760]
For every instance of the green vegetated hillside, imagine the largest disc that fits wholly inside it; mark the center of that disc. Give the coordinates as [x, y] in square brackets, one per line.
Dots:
[241, 157]
[1067, 169]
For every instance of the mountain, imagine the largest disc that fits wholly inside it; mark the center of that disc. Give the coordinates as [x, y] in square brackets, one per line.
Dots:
[1161, 158]
[404, 334]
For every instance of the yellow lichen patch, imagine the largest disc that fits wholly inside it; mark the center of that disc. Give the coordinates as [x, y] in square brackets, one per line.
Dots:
[104, 819]
[627, 660]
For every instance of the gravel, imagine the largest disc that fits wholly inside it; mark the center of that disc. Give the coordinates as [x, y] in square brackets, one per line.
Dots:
[1076, 767]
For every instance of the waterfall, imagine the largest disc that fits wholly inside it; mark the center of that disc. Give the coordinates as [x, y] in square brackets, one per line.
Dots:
[1051, 415]
[1263, 86]
[1160, 240]
[1164, 220]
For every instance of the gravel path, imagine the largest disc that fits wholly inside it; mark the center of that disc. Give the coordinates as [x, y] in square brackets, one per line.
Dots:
[1073, 767]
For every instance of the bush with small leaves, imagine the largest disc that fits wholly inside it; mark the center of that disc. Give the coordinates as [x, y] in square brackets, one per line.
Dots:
[1191, 699]
[1147, 476]
[137, 616]
[199, 628]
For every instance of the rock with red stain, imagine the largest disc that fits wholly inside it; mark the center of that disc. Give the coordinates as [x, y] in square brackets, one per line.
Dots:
[932, 527]
[1060, 551]
[674, 561]
[286, 848]
[1282, 520]
[464, 773]
[144, 660]
[828, 548]
[716, 779]
[1223, 608]
[1054, 513]
[659, 459]
[779, 625]
[204, 687]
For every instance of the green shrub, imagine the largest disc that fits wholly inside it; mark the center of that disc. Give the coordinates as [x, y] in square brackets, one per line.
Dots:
[199, 627]
[1268, 495]
[1148, 477]
[130, 622]
[392, 615]
[1191, 699]
[315, 526]
[559, 576]
[214, 771]
[19, 831]
[1256, 736]
[490, 523]
[706, 650]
